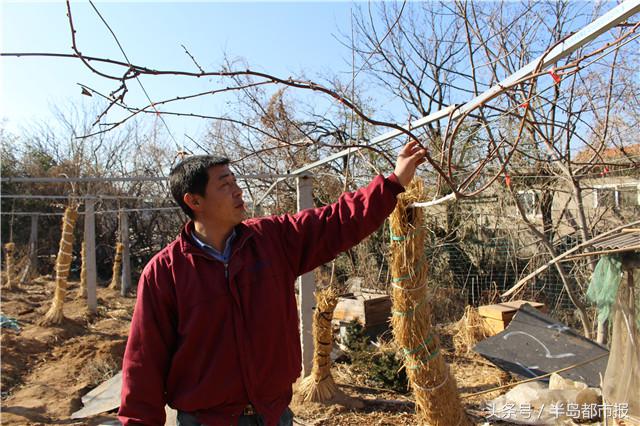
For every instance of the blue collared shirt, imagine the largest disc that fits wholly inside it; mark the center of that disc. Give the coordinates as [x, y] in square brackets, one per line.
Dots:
[222, 257]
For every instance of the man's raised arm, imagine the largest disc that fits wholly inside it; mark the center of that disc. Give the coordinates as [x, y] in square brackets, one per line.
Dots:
[313, 237]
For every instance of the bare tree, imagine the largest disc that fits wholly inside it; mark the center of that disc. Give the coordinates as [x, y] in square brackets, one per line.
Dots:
[436, 54]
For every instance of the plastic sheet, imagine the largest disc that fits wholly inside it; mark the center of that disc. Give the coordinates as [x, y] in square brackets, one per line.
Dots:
[604, 285]
[562, 403]
[621, 384]
[7, 322]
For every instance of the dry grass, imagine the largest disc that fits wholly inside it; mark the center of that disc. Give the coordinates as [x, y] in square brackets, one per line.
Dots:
[99, 370]
[471, 329]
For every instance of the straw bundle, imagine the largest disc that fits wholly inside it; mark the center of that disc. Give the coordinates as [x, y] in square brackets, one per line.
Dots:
[55, 315]
[319, 385]
[82, 289]
[9, 265]
[471, 330]
[437, 398]
[116, 278]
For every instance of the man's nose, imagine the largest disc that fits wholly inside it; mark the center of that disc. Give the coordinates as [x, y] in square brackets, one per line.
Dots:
[237, 191]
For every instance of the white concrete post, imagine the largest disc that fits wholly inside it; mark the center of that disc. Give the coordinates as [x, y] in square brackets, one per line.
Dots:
[90, 252]
[33, 243]
[306, 283]
[32, 267]
[126, 254]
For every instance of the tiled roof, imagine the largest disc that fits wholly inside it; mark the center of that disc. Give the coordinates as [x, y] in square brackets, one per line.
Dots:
[608, 154]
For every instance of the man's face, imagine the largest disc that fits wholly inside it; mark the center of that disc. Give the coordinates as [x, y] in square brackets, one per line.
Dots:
[222, 202]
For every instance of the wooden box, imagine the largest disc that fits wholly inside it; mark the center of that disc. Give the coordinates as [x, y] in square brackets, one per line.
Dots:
[368, 309]
[497, 317]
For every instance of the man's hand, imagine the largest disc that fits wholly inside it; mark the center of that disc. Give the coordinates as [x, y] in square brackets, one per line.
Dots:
[410, 157]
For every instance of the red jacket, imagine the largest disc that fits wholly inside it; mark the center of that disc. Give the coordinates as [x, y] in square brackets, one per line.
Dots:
[210, 338]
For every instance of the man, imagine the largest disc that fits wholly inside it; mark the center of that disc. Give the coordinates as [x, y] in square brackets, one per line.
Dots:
[215, 332]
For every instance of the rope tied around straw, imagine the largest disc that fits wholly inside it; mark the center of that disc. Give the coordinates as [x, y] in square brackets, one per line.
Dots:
[422, 345]
[433, 388]
[421, 361]
[395, 237]
[409, 312]
[408, 289]
[411, 275]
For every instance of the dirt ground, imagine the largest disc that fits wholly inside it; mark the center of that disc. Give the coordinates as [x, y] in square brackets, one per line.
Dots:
[46, 370]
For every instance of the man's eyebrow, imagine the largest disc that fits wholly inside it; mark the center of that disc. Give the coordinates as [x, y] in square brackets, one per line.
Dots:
[224, 176]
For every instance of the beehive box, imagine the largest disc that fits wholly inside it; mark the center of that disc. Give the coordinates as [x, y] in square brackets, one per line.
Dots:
[368, 309]
[497, 317]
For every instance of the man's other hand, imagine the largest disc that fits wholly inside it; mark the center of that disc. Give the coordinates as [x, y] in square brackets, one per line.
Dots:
[410, 157]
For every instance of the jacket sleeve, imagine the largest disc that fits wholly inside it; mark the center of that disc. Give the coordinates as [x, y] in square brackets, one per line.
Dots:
[313, 237]
[149, 349]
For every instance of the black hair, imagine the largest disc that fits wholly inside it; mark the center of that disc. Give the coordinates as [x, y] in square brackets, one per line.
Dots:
[191, 175]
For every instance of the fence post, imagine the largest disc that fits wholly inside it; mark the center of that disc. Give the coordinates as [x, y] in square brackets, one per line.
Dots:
[306, 283]
[90, 252]
[33, 243]
[32, 266]
[126, 254]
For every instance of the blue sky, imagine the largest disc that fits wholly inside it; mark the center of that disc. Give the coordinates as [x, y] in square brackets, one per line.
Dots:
[284, 39]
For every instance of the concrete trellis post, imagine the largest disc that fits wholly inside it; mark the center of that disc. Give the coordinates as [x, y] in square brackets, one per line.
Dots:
[32, 265]
[90, 254]
[33, 243]
[306, 283]
[126, 256]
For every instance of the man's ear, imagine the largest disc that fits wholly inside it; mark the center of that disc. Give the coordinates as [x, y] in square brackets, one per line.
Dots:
[192, 200]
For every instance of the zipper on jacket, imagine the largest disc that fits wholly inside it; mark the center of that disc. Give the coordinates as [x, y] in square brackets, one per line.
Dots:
[226, 270]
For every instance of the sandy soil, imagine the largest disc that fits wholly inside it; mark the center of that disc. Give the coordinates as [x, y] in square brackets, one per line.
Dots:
[46, 370]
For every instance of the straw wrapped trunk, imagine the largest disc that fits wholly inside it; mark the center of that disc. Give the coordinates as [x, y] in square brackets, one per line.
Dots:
[116, 278]
[437, 398]
[55, 315]
[82, 289]
[319, 385]
[10, 249]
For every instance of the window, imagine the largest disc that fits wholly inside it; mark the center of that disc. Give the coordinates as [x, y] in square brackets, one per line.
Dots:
[628, 197]
[624, 196]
